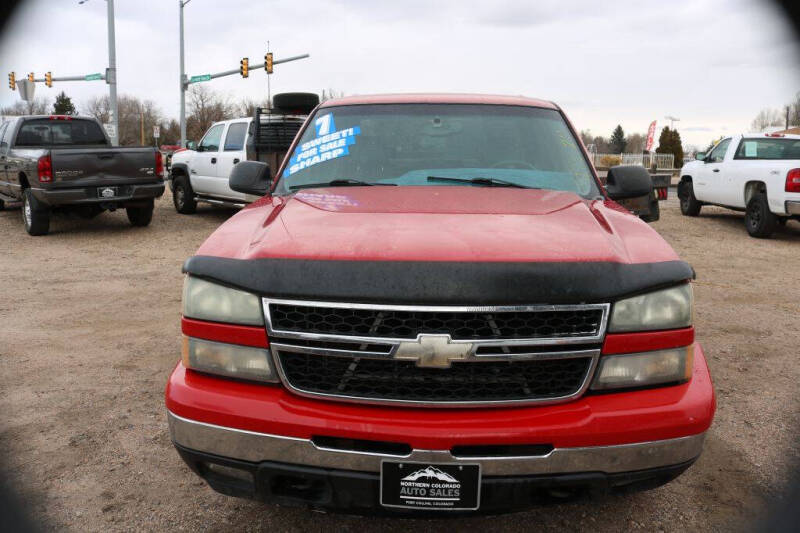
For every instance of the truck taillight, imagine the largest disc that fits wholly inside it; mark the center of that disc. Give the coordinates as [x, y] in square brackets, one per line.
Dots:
[793, 180]
[159, 164]
[45, 168]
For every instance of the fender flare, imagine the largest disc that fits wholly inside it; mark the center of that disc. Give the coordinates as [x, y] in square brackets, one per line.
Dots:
[183, 167]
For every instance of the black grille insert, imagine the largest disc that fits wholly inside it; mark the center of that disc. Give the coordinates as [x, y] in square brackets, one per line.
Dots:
[460, 325]
[463, 382]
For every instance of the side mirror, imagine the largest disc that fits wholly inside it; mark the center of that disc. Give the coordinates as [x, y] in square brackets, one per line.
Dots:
[628, 181]
[191, 145]
[250, 177]
[700, 156]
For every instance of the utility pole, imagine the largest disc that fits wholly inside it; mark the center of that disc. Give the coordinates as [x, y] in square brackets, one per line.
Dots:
[182, 81]
[111, 75]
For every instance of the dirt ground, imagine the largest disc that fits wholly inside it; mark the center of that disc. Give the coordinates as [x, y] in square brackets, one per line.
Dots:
[89, 331]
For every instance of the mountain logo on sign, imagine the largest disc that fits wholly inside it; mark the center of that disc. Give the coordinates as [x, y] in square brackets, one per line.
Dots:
[430, 472]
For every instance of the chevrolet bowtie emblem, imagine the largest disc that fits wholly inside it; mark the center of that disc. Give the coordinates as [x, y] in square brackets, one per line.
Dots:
[433, 351]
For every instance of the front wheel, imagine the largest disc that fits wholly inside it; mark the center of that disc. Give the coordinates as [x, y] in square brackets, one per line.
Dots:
[35, 215]
[183, 196]
[758, 219]
[690, 207]
[140, 216]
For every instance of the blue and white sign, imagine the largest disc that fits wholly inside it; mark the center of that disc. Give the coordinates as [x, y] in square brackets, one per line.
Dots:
[329, 144]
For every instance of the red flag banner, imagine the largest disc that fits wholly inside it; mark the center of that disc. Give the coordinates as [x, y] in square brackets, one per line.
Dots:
[651, 135]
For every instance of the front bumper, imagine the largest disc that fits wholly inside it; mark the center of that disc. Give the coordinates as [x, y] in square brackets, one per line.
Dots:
[255, 447]
[357, 492]
[600, 441]
[88, 195]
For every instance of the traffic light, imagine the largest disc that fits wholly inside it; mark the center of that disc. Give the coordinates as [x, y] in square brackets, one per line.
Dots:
[243, 64]
[12, 81]
[268, 62]
[30, 77]
[48, 79]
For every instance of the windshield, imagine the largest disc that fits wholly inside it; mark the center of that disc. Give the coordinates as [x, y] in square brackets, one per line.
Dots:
[408, 144]
[50, 132]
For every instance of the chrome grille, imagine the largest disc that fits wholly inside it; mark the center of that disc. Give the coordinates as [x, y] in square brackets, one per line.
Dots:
[494, 355]
[407, 324]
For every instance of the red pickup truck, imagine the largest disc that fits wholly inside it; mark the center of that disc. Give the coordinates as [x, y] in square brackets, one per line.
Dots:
[437, 308]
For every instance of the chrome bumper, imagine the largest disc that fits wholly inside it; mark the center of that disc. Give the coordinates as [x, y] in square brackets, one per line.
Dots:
[256, 447]
[793, 208]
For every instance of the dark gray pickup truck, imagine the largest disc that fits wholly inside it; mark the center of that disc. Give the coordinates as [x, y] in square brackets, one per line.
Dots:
[66, 163]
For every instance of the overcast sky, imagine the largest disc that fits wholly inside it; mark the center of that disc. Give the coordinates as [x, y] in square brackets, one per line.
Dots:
[712, 63]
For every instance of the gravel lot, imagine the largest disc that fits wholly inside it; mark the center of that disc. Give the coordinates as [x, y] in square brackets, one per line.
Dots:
[90, 331]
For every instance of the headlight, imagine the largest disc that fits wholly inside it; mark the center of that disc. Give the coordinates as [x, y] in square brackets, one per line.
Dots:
[665, 309]
[208, 301]
[644, 369]
[230, 360]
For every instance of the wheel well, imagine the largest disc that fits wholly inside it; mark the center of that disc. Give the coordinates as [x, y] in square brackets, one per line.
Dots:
[686, 178]
[23, 181]
[753, 187]
[177, 171]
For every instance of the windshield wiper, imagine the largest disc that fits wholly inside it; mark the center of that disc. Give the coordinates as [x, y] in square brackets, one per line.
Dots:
[489, 182]
[337, 183]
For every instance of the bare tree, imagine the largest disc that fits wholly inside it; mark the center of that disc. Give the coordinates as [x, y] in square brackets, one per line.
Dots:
[246, 107]
[767, 118]
[170, 132]
[794, 111]
[136, 116]
[37, 106]
[586, 137]
[635, 143]
[329, 94]
[205, 108]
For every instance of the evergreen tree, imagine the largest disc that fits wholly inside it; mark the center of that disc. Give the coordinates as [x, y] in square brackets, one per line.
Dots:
[669, 142]
[63, 105]
[618, 142]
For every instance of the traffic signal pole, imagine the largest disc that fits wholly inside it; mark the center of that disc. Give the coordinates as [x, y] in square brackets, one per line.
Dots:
[182, 80]
[185, 81]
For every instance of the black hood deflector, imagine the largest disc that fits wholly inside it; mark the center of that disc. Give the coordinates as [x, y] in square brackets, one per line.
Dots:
[440, 282]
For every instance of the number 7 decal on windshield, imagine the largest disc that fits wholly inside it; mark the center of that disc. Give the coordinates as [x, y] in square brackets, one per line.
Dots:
[325, 124]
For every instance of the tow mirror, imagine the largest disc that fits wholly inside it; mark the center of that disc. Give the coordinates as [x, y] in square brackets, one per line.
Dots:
[250, 177]
[628, 181]
[700, 156]
[191, 145]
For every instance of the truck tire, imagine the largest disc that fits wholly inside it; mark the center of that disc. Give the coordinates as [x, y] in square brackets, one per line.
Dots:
[758, 219]
[2, 205]
[35, 215]
[690, 207]
[299, 103]
[183, 196]
[655, 212]
[140, 216]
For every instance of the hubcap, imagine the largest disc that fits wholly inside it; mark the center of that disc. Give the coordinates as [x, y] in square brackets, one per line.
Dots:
[179, 194]
[755, 216]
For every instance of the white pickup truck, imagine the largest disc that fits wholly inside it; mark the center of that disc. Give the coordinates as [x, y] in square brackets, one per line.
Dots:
[200, 173]
[755, 173]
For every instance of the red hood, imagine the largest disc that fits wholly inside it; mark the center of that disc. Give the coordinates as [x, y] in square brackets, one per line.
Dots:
[437, 224]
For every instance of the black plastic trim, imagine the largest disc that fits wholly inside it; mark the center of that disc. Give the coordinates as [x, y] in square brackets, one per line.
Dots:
[440, 282]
